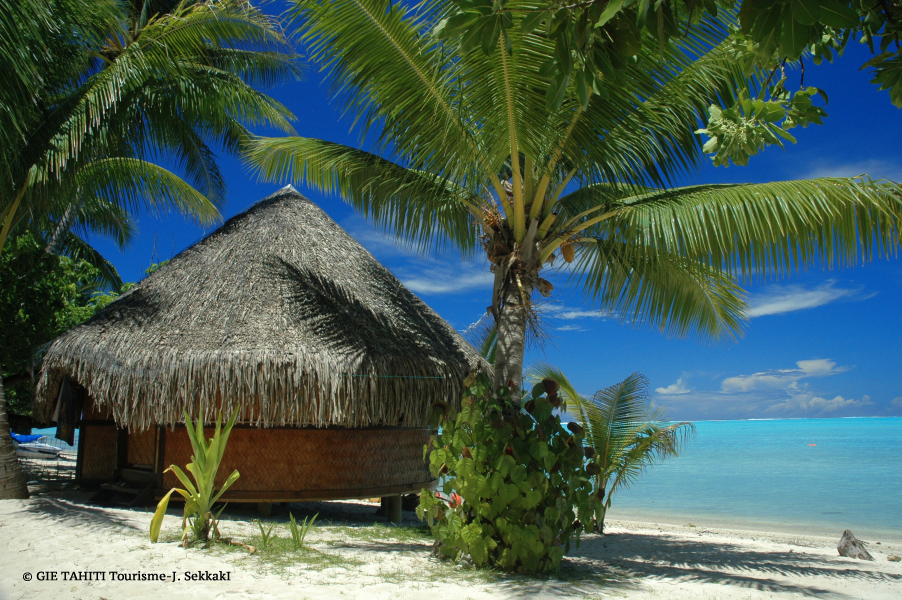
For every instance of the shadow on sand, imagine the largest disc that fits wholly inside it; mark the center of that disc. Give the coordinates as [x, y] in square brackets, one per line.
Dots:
[76, 513]
[659, 557]
[611, 563]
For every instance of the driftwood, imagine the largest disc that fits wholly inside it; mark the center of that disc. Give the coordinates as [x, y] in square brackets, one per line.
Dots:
[250, 549]
[852, 547]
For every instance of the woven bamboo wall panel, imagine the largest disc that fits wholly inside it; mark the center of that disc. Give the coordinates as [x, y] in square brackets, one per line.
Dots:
[99, 460]
[298, 460]
[142, 447]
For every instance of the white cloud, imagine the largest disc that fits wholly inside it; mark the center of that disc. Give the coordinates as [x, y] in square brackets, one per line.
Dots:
[569, 328]
[558, 311]
[897, 402]
[780, 393]
[819, 367]
[809, 404]
[707, 404]
[776, 300]
[781, 378]
[379, 244]
[569, 315]
[876, 168]
[674, 388]
[443, 279]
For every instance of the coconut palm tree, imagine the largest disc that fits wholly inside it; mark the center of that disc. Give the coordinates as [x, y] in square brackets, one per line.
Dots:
[626, 432]
[145, 80]
[97, 92]
[467, 150]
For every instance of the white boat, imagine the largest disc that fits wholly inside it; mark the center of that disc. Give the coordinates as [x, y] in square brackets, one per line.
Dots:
[37, 450]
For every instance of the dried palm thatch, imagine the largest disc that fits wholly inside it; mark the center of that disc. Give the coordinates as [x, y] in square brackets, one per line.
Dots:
[279, 313]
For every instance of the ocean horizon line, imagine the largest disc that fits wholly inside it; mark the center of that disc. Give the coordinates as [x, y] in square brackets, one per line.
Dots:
[784, 419]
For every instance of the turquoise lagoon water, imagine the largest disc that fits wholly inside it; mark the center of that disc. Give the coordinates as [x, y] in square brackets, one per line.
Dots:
[765, 474]
[50, 432]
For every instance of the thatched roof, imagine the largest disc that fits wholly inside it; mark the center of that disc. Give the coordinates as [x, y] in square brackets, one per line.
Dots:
[279, 312]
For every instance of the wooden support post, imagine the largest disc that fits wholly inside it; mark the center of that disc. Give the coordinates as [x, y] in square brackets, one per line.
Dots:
[392, 508]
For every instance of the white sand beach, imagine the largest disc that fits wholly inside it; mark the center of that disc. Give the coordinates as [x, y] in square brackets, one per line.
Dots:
[353, 556]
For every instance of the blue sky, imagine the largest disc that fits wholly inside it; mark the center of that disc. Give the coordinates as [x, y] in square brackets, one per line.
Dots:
[820, 344]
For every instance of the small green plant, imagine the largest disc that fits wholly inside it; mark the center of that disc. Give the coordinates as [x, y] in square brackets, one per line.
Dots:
[299, 531]
[515, 491]
[625, 432]
[200, 495]
[265, 535]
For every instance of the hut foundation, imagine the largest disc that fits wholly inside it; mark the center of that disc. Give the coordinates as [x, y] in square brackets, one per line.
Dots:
[391, 508]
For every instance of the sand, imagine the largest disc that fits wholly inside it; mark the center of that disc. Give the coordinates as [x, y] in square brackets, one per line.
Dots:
[352, 556]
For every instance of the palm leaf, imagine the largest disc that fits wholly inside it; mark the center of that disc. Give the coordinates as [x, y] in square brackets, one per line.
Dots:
[425, 210]
[483, 335]
[566, 391]
[156, 522]
[384, 65]
[772, 228]
[627, 433]
[141, 185]
[77, 249]
[178, 75]
[677, 295]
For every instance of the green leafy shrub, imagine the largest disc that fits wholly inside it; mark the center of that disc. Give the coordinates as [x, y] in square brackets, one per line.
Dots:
[515, 489]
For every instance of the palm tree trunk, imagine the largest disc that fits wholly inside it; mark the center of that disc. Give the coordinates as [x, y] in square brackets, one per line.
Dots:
[600, 513]
[512, 322]
[12, 479]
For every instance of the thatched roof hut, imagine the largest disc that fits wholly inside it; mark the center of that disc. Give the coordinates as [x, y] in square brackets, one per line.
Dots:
[280, 314]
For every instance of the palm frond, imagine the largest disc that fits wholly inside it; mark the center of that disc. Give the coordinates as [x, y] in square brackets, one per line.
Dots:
[644, 132]
[422, 209]
[566, 392]
[646, 286]
[170, 48]
[627, 433]
[465, 127]
[389, 72]
[771, 228]
[85, 215]
[141, 185]
[483, 335]
[78, 249]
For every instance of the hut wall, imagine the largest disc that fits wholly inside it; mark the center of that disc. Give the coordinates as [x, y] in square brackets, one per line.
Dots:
[98, 445]
[142, 448]
[313, 464]
[99, 456]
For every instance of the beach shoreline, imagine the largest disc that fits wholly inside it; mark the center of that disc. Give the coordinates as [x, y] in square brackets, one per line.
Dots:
[753, 526]
[353, 555]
